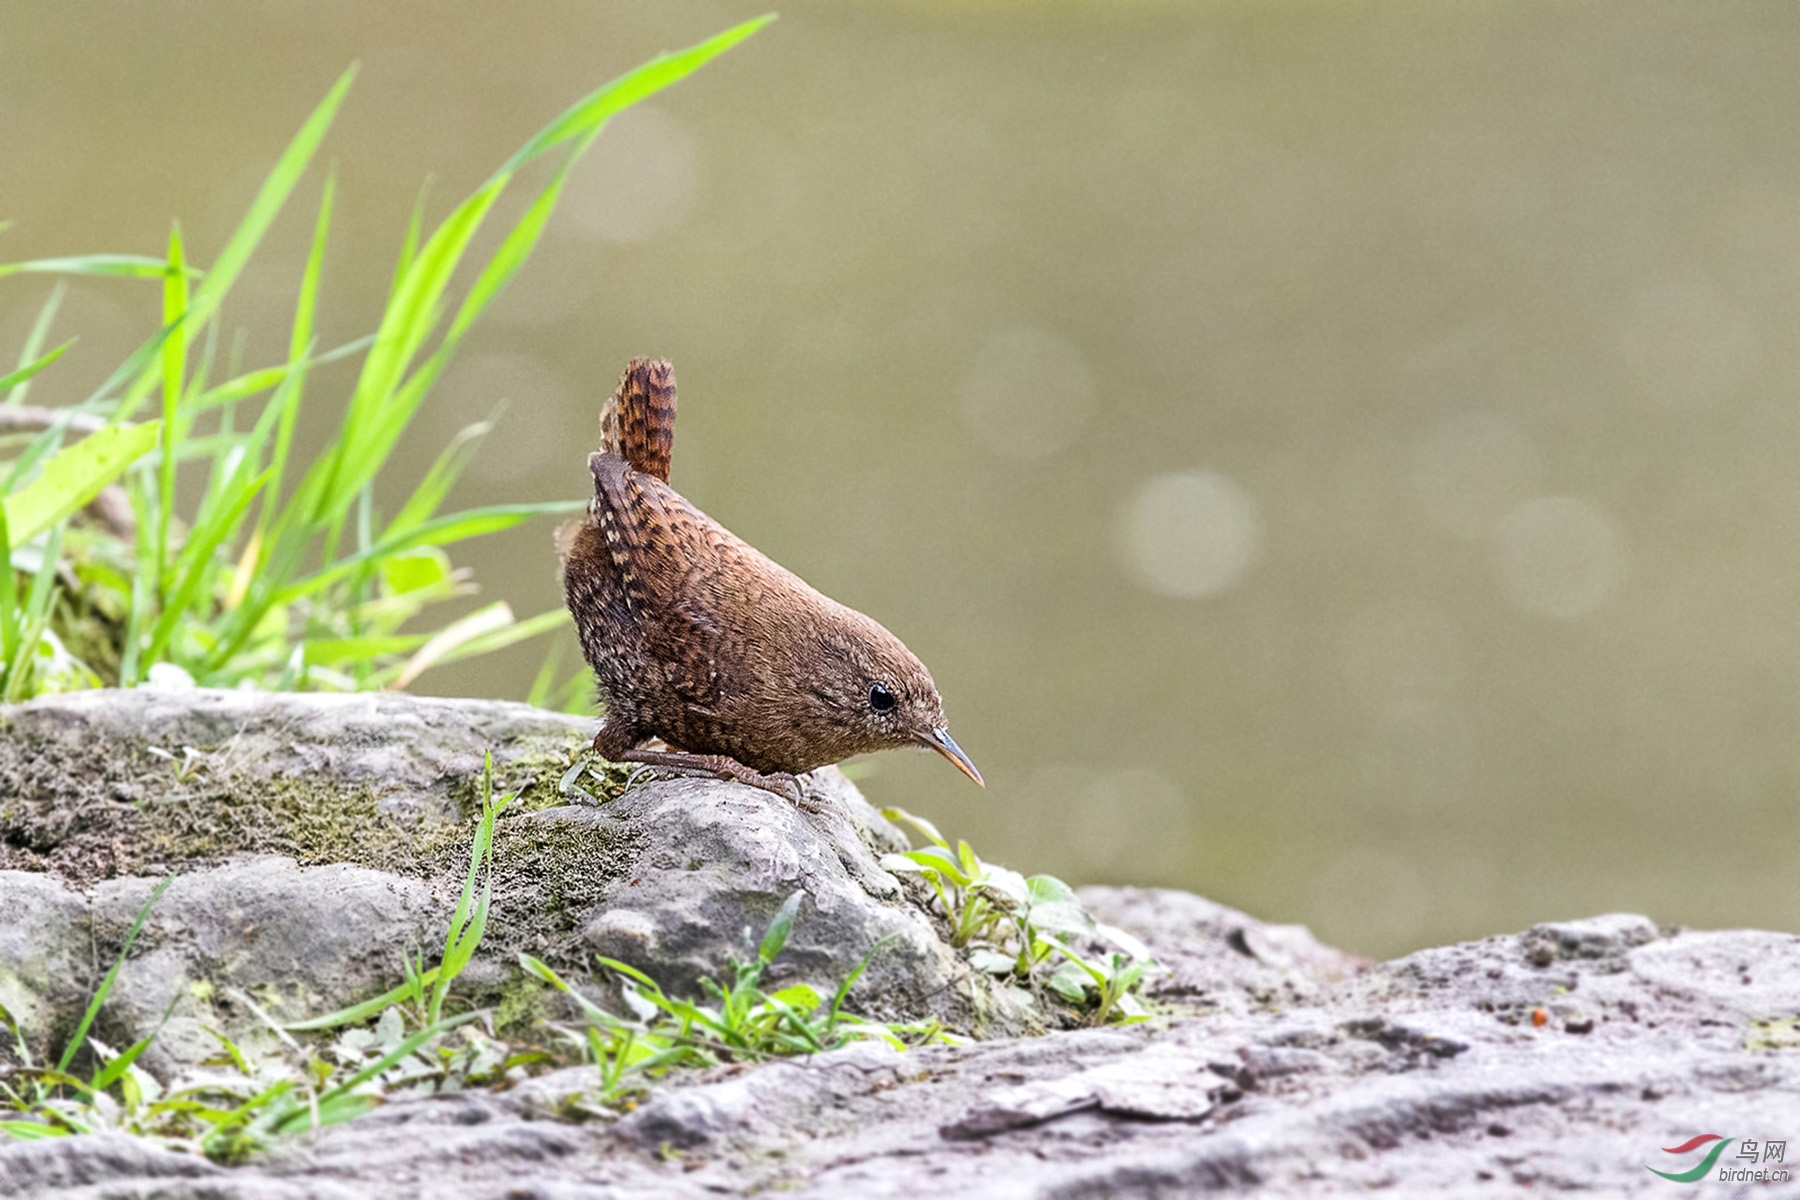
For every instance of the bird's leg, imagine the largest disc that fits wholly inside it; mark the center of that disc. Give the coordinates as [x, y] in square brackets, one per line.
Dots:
[719, 766]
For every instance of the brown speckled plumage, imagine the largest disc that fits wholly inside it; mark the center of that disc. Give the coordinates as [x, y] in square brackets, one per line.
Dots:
[702, 641]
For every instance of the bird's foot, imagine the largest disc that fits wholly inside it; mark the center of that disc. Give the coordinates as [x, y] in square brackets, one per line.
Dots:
[721, 766]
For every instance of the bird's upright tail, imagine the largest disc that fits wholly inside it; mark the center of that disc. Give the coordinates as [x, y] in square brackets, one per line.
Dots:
[637, 422]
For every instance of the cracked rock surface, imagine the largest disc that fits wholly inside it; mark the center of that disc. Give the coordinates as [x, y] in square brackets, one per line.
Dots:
[1560, 1059]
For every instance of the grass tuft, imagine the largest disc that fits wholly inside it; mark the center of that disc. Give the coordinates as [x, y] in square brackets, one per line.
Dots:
[283, 575]
[1032, 930]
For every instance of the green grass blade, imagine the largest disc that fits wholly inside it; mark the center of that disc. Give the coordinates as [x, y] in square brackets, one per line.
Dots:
[410, 317]
[34, 341]
[16, 380]
[106, 984]
[75, 476]
[326, 652]
[174, 366]
[440, 531]
[780, 927]
[244, 386]
[34, 619]
[139, 491]
[381, 405]
[9, 596]
[409, 245]
[586, 114]
[300, 347]
[121, 1063]
[490, 619]
[249, 234]
[51, 439]
[545, 679]
[270, 199]
[135, 266]
[499, 639]
[440, 478]
[290, 1124]
[196, 557]
[29, 1130]
[368, 1010]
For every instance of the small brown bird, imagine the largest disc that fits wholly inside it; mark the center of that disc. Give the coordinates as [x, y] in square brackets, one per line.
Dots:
[698, 639]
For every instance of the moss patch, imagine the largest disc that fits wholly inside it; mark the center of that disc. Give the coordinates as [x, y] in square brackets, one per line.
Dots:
[131, 810]
[559, 874]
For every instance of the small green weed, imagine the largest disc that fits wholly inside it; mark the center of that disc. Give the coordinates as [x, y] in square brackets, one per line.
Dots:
[333, 1068]
[245, 1102]
[743, 1022]
[1012, 925]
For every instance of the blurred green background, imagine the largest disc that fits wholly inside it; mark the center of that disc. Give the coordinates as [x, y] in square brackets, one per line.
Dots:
[1339, 458]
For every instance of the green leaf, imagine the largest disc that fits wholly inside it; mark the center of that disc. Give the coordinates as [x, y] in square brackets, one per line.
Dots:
[324, 652]
[31, 1130]
[75, 476]
[1070, 982]
[780, 927]
[34, 341]
[384, 399]
[440, 531]
[120, 1063]
[486, 643]
[935, 858]
[195, 557]
[174, 365]
[592, 110]
[799, 997]
[1060, 916]
[9, 382]
[415, 570]
[9, 600]
[902, 817]
[106, 984]
[134, 266]
[270, 199]
[438, 480]
[249, 233]
[357, 1014]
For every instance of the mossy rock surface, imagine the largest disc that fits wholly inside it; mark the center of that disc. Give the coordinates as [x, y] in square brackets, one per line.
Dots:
[319, 841]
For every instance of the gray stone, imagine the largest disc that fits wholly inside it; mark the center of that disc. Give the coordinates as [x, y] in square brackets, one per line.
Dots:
[319, 842]
[1281, 1066]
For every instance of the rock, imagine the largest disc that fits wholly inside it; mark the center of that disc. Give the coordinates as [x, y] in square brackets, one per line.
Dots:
[1425, 1074]
[318, 842]
[1565, 1057]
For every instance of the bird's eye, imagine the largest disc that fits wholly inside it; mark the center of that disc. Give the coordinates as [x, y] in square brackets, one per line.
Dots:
[880, 699]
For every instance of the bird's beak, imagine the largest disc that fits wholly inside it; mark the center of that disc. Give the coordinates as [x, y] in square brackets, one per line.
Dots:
[941, 741]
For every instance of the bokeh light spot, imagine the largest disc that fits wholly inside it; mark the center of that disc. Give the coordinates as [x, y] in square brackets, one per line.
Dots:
[1189, 533]
[1559, 556]
[1027, 394]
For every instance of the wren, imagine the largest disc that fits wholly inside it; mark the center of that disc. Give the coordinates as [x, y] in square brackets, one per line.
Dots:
[697, 639]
